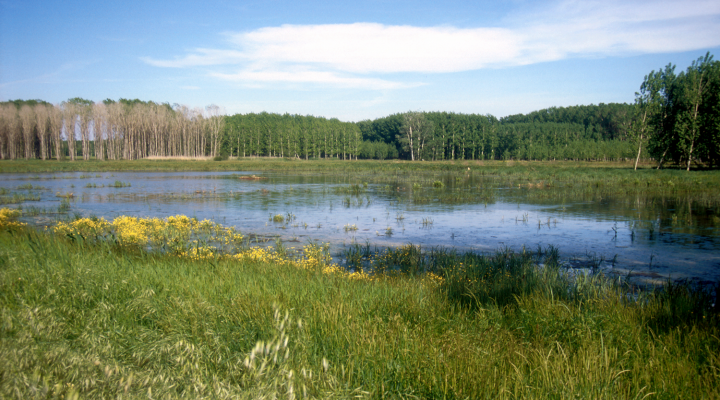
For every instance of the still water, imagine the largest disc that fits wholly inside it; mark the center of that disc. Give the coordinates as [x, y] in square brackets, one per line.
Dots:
[649, 240]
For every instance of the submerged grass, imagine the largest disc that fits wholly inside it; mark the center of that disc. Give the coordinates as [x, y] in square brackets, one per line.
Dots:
[101, 319]
[17, 198]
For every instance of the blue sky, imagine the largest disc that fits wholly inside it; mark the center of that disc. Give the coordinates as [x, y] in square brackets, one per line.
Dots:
[350, 60]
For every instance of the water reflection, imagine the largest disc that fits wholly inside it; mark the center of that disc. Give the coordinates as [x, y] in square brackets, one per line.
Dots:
[652, 237]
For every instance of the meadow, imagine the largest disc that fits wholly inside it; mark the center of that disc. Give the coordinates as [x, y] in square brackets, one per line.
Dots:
[535, 174]
[180, 308]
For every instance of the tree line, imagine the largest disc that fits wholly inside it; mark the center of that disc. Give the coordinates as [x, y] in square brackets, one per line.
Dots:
[595, 132]
[678, 115]
[675, 117]
[291, 135]
[124, 129]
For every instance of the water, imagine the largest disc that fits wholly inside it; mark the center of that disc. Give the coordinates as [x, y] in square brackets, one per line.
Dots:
[649, 239]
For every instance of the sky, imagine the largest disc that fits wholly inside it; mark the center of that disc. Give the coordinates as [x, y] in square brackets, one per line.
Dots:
[351, 60]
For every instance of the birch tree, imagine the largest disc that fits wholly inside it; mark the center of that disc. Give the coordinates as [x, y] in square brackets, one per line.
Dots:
[415, 129]
[648, 104]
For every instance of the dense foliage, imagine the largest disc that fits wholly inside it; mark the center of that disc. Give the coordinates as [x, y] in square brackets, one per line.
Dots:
[679, 115]
[578, 133]
[293, 136]
[676, 117]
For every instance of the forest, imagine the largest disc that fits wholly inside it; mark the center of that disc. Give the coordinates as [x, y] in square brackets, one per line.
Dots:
[675, 119]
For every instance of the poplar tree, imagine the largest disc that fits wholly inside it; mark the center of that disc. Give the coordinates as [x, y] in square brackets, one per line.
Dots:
[28, 123]
[648, 105]
[42, 113]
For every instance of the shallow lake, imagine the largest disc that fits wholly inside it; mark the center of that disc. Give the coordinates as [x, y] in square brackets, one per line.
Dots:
[648, 239]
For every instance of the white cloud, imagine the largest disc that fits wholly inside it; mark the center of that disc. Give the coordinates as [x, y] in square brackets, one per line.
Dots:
[312, 76]
[371, 48]
[344, 55]
[201, 57]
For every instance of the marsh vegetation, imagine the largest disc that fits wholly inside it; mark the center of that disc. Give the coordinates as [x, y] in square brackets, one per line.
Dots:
[653, 225]
[92, 311]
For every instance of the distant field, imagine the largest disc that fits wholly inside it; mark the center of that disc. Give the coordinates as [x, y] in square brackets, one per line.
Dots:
[274, 163]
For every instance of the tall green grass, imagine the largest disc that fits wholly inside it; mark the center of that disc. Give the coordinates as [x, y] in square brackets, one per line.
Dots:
[101, 321]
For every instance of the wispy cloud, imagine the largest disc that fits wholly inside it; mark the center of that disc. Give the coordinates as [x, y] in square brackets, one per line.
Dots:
[353, 55]
[296, 75]
[201, 57]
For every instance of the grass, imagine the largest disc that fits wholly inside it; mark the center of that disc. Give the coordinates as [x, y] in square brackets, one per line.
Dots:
[281, 164]
[101, 319]
[119, 184]
[17, 198]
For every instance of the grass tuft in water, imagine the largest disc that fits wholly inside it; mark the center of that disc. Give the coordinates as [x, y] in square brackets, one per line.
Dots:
[119, 184]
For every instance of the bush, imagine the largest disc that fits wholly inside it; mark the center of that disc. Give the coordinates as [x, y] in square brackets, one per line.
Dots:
[222, 156]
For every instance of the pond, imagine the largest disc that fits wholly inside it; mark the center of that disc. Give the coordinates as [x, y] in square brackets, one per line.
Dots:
[648, 238]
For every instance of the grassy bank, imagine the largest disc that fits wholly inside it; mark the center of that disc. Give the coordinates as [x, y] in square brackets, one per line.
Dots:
[275, 164]
[95, 316]
[600, 177]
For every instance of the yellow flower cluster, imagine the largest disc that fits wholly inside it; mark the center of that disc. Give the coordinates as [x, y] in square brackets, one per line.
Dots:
[199, 253]
[132, 230]
[84, 226]
[359, 276]
[8, 219]
[433, 279]
[199, 240]
[173, 232]
[259, 254]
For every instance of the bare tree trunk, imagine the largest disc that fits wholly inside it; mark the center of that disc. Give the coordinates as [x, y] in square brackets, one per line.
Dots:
[662, 158]
[70, 119]
[11, 130]
[15, 132]
[56, 126]
[28, 120]
[100, 126]
[85, 131]
[410, 136]
[43, 121]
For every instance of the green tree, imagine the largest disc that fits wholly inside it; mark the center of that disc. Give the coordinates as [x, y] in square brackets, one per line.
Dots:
[648, 104]
[415, 131]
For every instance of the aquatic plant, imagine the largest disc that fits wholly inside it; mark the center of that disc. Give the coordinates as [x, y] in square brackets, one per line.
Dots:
[29, 186]
[17, 198]
[119, 184]
[64, 206]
